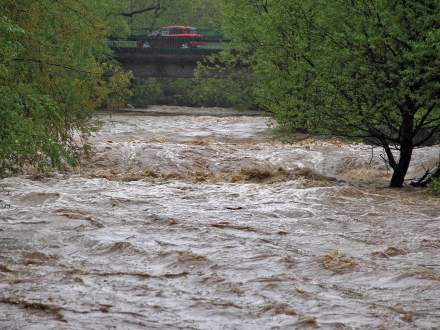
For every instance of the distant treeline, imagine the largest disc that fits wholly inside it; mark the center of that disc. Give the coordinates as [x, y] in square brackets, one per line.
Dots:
[197, 92]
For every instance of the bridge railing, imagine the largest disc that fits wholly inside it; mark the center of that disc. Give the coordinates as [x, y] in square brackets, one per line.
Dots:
[167, 44]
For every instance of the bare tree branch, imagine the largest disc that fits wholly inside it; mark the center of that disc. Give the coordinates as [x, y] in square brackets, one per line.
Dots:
[140, 11]
[424, 118]
[428, 137]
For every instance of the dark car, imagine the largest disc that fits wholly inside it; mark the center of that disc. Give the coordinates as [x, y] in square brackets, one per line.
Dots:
[178, 36]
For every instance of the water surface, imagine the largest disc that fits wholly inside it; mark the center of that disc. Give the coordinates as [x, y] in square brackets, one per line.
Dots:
[206, 222]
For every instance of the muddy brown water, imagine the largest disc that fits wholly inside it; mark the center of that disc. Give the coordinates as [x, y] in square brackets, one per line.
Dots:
[206, 222]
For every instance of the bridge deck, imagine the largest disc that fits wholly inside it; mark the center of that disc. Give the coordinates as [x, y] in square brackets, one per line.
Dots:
[172, 61]
[162, 62]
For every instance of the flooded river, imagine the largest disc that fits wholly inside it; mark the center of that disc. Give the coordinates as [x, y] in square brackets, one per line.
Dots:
[207, 222]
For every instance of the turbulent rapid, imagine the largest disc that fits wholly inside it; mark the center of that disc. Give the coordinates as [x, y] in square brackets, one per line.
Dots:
[200, 219]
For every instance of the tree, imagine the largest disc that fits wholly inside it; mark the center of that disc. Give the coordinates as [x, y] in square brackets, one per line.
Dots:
[147, 15]
[55, 70]
[358, 68]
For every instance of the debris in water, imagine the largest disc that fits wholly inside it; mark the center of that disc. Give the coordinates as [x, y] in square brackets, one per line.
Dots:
[120, 246]
[256, 174]
[105, 308]
[408, 317]
[431, 243]
[279, 309]
[172, 222]
[389, 252]
[185, 256]
[308, 173]
[338, 263]
[307, 322]
[427, 275]
[37, 306]
[228, 225]
[201, 142]
[234, 208]
[79, 215]
[5, 269]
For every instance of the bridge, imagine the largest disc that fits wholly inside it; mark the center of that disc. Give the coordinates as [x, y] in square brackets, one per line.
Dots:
[169, 62]
[162, 63]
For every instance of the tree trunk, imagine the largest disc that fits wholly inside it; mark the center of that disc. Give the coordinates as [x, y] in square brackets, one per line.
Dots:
[401, 169]
[406, 150]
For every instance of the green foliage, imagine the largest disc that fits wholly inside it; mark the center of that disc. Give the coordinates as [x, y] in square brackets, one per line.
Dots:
[54, 71]
[147, 92]
[26, 122]
[435, 186]
[232, 93]
[197, 92]
[354, 68]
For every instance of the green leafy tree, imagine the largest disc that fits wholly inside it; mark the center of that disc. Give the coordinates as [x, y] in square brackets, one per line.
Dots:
[351, 67]
[55, 70]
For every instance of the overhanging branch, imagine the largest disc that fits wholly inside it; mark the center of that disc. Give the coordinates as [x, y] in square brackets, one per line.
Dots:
[58, 65]
[140, 11]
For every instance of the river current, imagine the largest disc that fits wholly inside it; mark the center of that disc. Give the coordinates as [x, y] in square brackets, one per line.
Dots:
[200, 219]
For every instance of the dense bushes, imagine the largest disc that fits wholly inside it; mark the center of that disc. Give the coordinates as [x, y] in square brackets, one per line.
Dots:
[197, 92]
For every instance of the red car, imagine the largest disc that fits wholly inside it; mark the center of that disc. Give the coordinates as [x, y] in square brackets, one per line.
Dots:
[178, 36]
